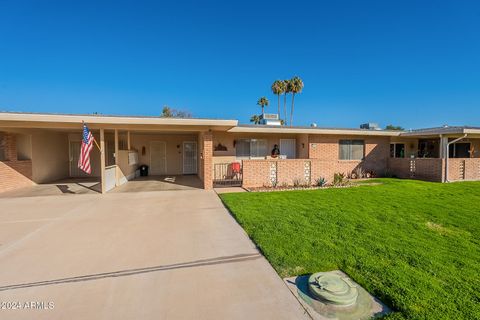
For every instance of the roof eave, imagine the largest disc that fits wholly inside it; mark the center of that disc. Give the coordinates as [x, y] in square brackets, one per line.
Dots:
[113, 120]
[326, 131]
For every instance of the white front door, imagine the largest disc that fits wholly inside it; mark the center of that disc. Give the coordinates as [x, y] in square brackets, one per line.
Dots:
[287, 148]
[189, 157]
[158, 158]
[75, 172]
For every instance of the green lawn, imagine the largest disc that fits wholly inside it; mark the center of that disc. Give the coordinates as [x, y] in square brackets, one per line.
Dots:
[413, 244]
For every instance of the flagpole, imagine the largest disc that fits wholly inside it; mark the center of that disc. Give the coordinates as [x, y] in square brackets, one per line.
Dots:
[94, 140]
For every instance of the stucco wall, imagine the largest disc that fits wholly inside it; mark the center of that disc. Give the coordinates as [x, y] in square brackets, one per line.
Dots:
[174, 149]
[50, 156]
[125, 170]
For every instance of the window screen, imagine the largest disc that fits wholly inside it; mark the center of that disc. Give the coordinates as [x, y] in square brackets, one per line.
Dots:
[351, 149]
[242, 148]
[251, 148]
[258, 148]
[459, 150]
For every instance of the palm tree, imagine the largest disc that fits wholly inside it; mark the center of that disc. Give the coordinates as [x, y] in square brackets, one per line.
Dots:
[287, 91]
[278, 88]
[296, 86]
[255, 119]
[263, 102]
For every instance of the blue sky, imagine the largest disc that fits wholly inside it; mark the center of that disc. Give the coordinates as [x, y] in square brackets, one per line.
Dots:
[411, 63]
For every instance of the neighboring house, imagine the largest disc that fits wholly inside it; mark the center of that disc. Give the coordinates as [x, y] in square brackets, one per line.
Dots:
[42, 148]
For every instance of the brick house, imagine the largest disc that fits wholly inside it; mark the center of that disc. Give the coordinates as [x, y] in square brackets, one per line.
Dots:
[42, 148]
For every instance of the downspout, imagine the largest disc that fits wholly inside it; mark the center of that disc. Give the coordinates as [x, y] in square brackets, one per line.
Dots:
[447, 153]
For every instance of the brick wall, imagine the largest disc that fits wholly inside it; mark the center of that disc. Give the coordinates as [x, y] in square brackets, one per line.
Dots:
[14, 173]
[418, 168]
[464, 169]
[259, 173]
[256, 173]
[206, 162]
[377, 150]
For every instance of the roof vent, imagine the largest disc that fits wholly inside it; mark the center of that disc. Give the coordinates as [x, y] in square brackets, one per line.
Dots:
[445, 125]
[370, 126]
[313, 125]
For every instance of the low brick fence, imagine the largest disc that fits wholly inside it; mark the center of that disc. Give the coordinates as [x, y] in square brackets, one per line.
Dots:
[464, 169]
[417, 168]
[14, 173]
[434, 169]
[260, 173]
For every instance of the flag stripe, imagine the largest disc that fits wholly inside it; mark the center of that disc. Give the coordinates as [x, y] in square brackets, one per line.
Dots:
[86, 148]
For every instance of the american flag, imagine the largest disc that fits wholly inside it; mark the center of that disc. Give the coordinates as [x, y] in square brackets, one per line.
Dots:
[87, 146]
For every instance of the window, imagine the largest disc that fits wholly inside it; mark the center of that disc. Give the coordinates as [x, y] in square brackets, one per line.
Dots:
[428, 148]
[122, 144]
[351, 149]
[242, 148]
[251, 148]
[459, 150]
[397, 150]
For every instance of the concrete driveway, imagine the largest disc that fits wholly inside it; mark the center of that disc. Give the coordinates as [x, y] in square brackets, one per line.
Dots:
[143, 255]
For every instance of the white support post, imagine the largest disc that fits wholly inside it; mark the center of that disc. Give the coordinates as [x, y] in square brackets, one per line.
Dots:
[117, 182]
[443, 146]
[102, 159]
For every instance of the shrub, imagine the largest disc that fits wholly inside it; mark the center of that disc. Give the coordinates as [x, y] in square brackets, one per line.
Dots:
[358, 173]
[297, 182]
[339, 179]
[321, 182]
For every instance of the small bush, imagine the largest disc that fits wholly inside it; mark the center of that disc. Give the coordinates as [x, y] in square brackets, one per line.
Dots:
[339, 179]
[297, 182]
[321, 182]
[358, 173]
[370, 174]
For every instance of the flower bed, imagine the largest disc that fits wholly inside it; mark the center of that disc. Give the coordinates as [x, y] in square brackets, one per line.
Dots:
[348, 184]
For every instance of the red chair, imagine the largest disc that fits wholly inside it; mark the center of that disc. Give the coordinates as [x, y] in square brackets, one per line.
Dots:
[236, 170]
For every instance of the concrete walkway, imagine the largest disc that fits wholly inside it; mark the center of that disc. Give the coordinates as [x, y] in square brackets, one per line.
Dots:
[143, 255]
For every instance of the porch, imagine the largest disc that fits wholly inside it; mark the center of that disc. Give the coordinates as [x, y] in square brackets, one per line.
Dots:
[433, 156]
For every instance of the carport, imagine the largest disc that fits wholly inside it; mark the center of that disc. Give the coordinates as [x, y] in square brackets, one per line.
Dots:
[43, 149]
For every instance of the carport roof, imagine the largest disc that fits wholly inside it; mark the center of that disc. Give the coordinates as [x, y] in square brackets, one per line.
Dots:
[51, 120]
